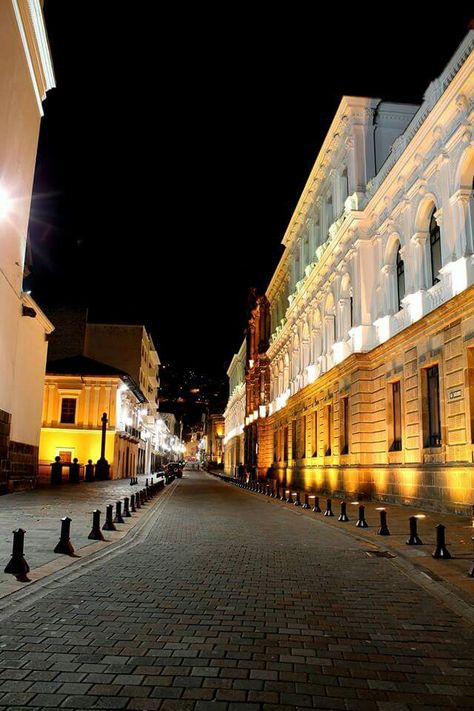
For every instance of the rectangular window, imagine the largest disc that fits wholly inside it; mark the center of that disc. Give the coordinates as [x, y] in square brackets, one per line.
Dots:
[293, 440]
[285, 444]
[434, 421]
[396, 445]
[315, 433]
[275, 445]
[328, 430]
[303, 437]
[470, 372]
[345, 425]
[68, 410]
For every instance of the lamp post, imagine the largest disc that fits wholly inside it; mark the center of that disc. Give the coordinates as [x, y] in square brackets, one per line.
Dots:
[102, 468]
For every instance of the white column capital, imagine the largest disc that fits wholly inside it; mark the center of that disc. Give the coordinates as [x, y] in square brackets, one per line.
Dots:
[420, 237]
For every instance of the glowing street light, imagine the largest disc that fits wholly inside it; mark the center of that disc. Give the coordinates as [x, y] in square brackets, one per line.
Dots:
[4, 203]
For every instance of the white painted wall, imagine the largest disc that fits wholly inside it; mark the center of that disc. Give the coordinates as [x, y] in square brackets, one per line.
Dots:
[24, 79]
[28, 379]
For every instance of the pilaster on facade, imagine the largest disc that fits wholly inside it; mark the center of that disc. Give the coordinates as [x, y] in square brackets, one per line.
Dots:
[379, 251]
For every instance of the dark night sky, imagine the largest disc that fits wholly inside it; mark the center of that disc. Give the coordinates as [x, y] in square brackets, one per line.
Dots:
[174, 150]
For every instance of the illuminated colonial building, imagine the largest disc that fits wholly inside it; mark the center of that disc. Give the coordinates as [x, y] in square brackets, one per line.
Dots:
[77, 391]
[113, 369]
[367, 384]
[130, 348]
[214, 439]
[26, 75]
[234, 414]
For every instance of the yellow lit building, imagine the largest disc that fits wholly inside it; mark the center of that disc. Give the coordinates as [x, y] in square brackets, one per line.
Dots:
[215, 426]
[77, 391]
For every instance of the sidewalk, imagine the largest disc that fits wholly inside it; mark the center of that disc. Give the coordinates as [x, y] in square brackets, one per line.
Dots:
[39, 513]
[452, 573]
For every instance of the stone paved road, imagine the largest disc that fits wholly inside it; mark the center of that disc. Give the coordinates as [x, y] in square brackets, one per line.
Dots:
[232, 603]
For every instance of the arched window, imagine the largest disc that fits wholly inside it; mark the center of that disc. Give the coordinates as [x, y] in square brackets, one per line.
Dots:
[344, 188]
[435, 248]
[400, 278]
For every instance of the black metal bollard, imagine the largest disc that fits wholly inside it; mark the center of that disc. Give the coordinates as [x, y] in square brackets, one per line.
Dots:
[361, 522]
[383, 530]
[316, 507]
[441, 551]
[305, 505]
[414, 539]
[64, 545]
[297, 498]
[343, 515]
[96, 533]
[328, 511]
[137, 501]
[146, 481]
[109, 524]
[89, 471]
[282, 496]
[17, 564]
[126, 508]
[118, 512]
[288, 496]
[268, 490]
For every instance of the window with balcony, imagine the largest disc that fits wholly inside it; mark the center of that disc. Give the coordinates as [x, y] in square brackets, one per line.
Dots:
[400, 278]
[435, 249]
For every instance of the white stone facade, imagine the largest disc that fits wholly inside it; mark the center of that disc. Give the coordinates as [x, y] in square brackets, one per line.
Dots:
[234, 414]
[392, 186]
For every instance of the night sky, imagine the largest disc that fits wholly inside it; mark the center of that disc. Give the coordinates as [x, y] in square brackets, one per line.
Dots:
[175, 147]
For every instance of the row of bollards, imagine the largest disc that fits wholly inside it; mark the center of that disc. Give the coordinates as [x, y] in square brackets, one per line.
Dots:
[18, 566]
[276, 491]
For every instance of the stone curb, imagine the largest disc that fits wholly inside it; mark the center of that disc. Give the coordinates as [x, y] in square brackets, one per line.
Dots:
[58, 573]
[441, 590]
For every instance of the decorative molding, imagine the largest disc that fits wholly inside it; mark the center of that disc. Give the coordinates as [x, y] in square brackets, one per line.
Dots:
[29, 18]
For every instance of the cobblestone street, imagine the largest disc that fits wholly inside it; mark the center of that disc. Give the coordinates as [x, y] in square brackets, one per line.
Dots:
[231, 603]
